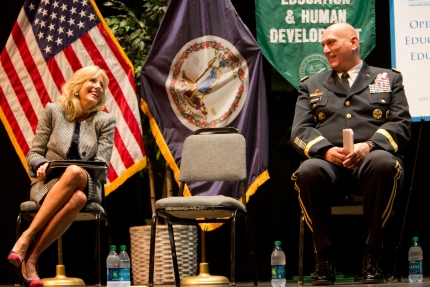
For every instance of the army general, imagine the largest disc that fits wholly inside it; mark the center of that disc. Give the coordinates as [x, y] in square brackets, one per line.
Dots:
[372, 102]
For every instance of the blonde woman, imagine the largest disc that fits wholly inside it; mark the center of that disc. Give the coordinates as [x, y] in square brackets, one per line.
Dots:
[74, 128]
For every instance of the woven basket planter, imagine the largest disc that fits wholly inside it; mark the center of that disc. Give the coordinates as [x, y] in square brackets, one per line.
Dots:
[186, 250]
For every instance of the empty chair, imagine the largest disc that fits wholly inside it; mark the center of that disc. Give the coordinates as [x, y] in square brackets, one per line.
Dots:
[217, 154]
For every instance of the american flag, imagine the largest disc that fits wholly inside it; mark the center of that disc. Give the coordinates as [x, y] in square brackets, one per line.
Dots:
[50, 40]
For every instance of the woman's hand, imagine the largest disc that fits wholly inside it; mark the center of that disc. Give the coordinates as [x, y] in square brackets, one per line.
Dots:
[41, 171]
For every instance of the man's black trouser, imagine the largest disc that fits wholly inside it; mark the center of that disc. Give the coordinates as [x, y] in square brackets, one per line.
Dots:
[378, 178]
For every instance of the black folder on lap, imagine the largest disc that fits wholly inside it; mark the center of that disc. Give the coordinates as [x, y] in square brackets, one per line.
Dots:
[94, 168]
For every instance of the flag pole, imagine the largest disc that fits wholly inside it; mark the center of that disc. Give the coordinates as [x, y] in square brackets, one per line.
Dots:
[61, 279]
[204, 278]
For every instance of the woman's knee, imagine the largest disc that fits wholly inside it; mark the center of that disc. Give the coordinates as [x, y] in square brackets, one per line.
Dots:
[75, 175]
[78, 200]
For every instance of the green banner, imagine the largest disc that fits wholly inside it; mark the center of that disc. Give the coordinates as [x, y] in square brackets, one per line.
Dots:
[289, 32]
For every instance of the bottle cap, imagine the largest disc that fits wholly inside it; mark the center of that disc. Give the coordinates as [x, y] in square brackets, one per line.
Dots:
[277, 243]
[122, 247]
[414, 239]
[113, 247]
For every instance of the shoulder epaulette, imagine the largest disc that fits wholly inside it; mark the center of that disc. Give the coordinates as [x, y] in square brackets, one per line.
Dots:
[395, 70]
[304, 78]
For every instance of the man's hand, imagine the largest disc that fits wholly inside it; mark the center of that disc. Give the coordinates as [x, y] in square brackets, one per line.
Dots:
[354, 159]
[335, 155]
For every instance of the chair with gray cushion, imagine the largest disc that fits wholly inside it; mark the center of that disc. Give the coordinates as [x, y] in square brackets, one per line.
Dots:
[91, 211]
[211, 154]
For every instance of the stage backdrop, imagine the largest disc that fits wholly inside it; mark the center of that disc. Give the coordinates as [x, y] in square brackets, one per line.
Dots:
[410, 51]
[289, 32]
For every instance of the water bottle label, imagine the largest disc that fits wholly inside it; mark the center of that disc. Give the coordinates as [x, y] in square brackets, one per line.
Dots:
[278, 271]
[124, 274]
[416, 267]
[113, 274]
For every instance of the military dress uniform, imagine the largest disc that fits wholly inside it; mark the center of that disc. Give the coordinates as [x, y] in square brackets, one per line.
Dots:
[376, 109]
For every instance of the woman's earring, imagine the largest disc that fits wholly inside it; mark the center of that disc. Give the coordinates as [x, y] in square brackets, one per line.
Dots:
[76, 94]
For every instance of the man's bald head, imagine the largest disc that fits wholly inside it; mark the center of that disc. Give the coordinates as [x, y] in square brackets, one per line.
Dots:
[343, 28]
[341, 47]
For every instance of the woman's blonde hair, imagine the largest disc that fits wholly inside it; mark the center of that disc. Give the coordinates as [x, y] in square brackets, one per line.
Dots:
[69, 99]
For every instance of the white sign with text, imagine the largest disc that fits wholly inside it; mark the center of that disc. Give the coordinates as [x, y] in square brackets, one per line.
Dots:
[410, 52]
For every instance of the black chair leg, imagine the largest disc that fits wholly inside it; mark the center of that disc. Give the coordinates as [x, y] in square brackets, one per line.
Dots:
[18, 233]
[233, 250]
[301, 245]
[251, 248]
[396, 272]
[174, 255]
[107, 224]
[97, 251]
[152, 250]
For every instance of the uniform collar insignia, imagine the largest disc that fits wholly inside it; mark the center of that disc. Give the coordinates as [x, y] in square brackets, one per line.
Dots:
[316, 94]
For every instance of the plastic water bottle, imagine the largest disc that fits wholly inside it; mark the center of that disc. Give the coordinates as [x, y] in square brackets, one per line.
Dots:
[124, 267]
[112, 265]
[278, 266]
[415, 261]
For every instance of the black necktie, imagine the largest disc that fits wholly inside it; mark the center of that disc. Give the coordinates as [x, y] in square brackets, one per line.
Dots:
[345, 81]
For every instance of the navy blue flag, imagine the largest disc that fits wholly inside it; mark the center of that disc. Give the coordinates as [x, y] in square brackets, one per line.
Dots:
[204, 69]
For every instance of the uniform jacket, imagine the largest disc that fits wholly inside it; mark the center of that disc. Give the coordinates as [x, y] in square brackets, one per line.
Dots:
[375, 108]
[53, 139]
